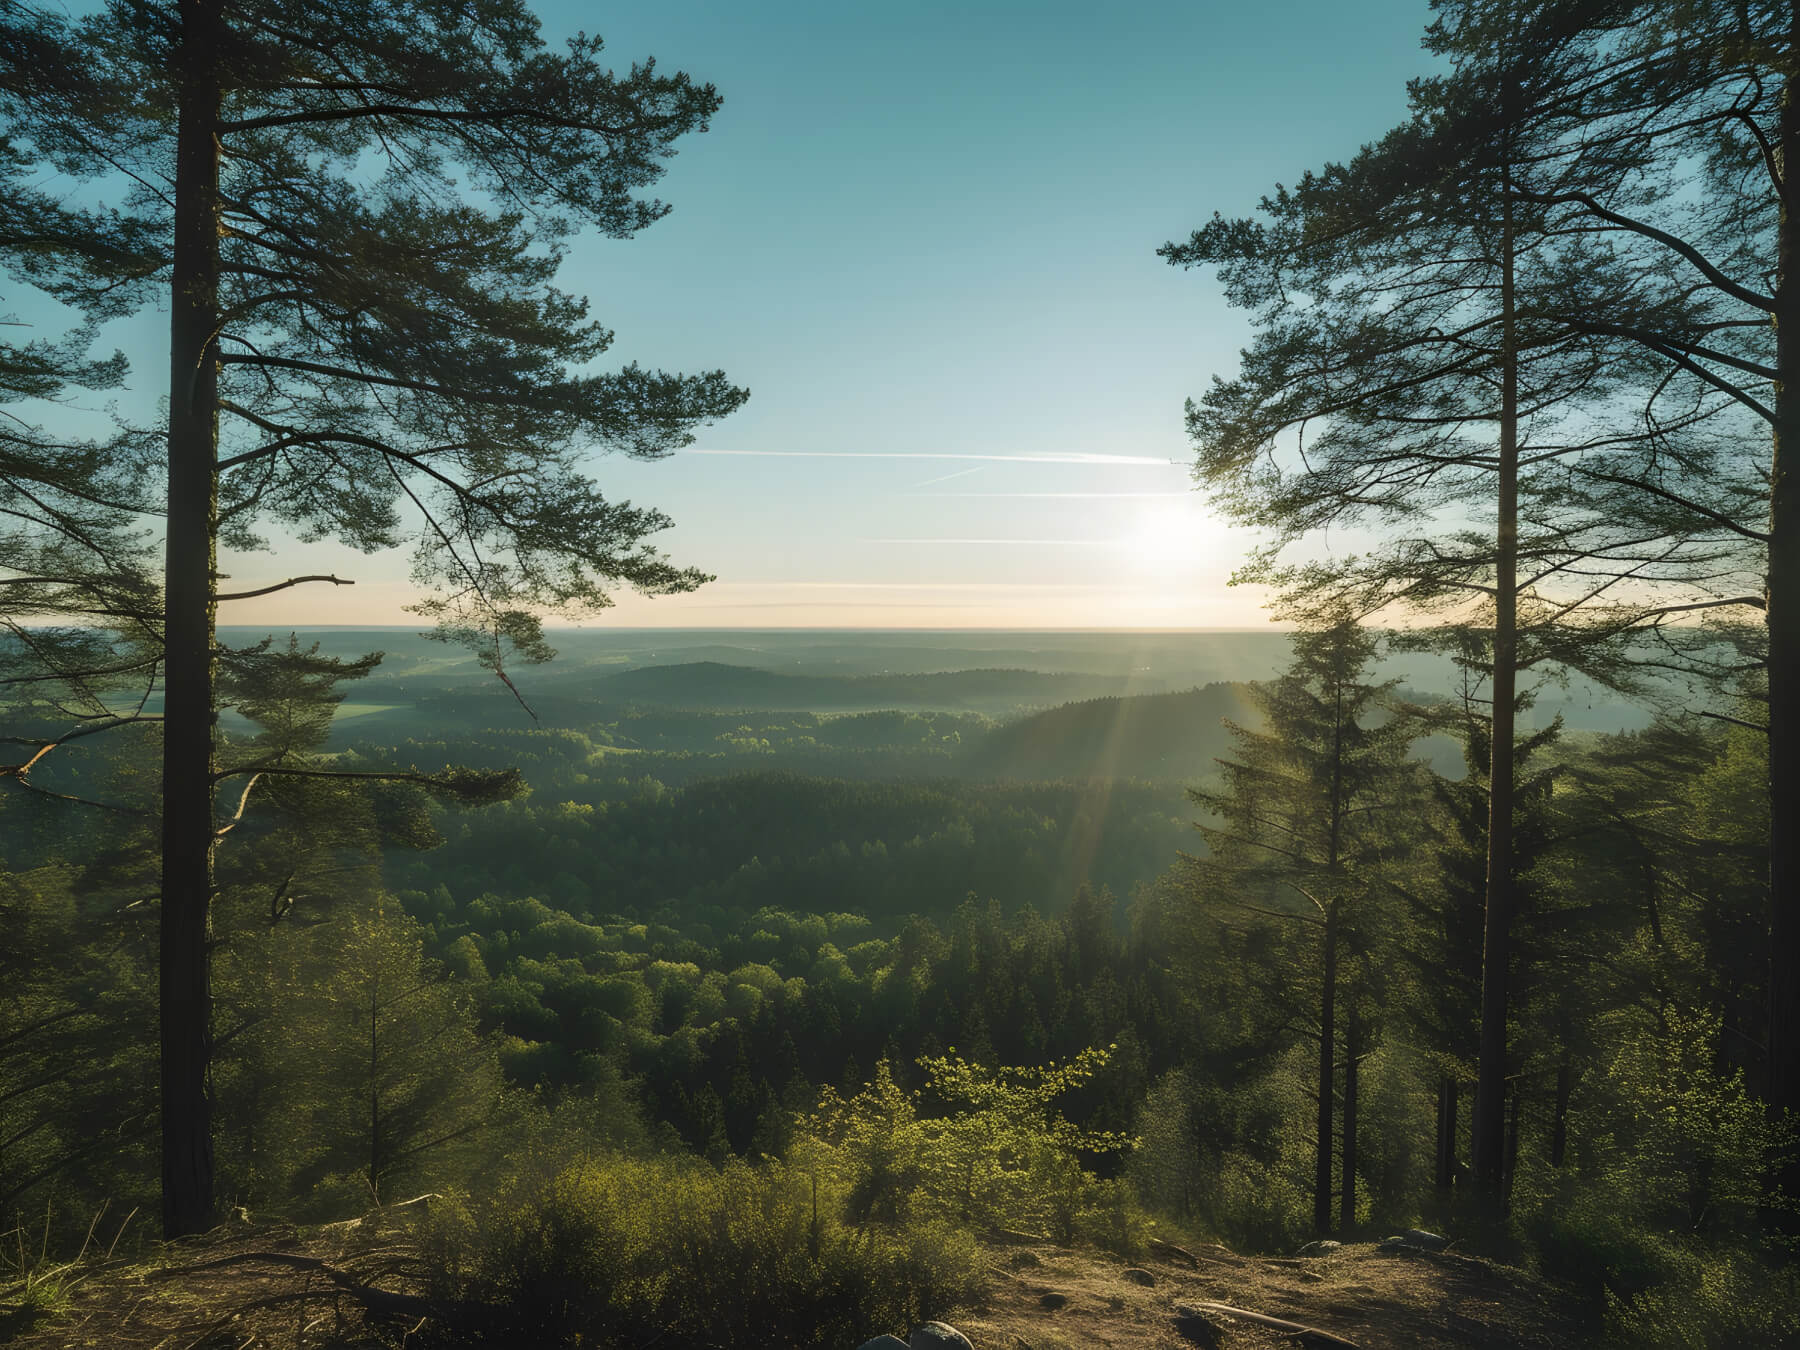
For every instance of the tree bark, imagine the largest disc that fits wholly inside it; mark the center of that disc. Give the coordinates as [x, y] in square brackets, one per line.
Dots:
[1327, 1056]
[1352, 1048]
[1783, 617]
[1559, 1129]
[1446, 1135]
[1489, 1122]
[1512, 1140]
[375, 1159]
[191, 562]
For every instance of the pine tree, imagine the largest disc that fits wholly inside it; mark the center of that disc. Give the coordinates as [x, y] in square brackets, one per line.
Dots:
[1308, 811]
[1421, 366]
[355, 213]
[1678, 133]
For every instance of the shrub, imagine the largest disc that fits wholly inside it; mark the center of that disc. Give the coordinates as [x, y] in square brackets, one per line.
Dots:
[992, 1152]
[615, 1250]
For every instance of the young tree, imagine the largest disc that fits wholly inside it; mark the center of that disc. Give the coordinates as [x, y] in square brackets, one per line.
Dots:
[1307, 813]
[355, 213]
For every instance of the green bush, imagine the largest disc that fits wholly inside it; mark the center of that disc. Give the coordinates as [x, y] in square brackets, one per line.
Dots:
[1659, 1219]
[982, 1147]
[613, 1251]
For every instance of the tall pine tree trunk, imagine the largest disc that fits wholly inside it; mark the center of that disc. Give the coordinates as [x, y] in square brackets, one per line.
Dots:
[1783, 615]
[1352, 1048]
[1559, 1127]
[1327, 1054]
[191, 562]
[1446, 1136]
[1489, 1122]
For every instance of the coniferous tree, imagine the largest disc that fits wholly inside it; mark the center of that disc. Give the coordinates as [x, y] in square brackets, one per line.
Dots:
[1410, 301]
[1669, 127]
[1307, 813]
[359, 349]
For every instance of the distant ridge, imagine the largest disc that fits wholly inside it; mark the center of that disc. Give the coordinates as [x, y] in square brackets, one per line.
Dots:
[1149, 736]
[711, 684]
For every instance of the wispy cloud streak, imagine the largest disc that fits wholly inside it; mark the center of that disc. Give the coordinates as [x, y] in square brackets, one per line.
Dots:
[1078, 496]
[1053, 586]
[1044, 457]
[1084, 543]
[945, 478]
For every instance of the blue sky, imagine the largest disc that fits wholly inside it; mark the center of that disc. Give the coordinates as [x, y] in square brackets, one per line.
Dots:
[924, 237]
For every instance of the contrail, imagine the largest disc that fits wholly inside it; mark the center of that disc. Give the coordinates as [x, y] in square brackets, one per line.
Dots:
[1047, 457]
[960, 473]
[914, 585]
[1081, 496]
[1089, 543]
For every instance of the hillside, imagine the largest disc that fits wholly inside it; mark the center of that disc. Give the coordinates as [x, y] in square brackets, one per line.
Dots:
[710, 684]
[1153, 736]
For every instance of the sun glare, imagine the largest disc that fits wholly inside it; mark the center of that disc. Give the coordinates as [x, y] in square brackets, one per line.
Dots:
[1165, 535]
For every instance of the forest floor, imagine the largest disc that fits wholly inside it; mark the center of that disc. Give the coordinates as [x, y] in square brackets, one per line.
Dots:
[346, 1286]
[1050, 1298]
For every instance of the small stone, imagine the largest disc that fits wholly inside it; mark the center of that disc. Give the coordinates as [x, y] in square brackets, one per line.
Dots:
[1199, 1329]
[937, 1336]
[883, 1343]
[1138, 1275]
[1051, 1302]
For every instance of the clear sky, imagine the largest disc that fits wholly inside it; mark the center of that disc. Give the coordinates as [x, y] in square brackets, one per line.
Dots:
[923, 235]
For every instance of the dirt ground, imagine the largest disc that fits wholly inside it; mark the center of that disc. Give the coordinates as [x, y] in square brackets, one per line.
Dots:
[236, 1288]
[272, 1289]
[1372, 1299]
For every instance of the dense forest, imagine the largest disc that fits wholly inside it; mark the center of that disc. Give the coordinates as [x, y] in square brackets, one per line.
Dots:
[732, 991]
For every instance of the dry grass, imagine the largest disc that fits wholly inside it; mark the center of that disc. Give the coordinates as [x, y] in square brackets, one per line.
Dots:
[1378, 1301]
[274, 1289]
[239, 1288]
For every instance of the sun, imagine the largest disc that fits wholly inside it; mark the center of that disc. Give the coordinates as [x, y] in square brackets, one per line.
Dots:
[1163, 536]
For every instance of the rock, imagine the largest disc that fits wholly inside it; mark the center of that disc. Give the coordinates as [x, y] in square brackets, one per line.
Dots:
[1139, 1276]
[883, 1343]
[1431, 1242]
[1051, 1302]
[1019, 1260]
[1198, 1328]
[1412, 1242]
[1323, 1247]
[1170, 1252]
[937, 1336]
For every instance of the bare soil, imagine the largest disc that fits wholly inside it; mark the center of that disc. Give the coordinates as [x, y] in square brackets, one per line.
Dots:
[1372, 1299]
[355, 1285]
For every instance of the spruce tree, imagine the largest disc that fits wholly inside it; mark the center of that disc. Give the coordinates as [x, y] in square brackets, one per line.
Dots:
[1307, 813]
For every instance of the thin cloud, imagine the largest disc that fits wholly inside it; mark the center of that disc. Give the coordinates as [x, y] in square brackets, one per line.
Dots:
[1045, 457]
[1078, 496]
[960, 473]
[912, 585]
[1088, 543]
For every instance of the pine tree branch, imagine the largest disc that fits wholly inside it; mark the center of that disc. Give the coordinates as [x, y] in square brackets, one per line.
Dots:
[1674, 499]
[1734, 721]
[1693, 255]
[282, 586]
